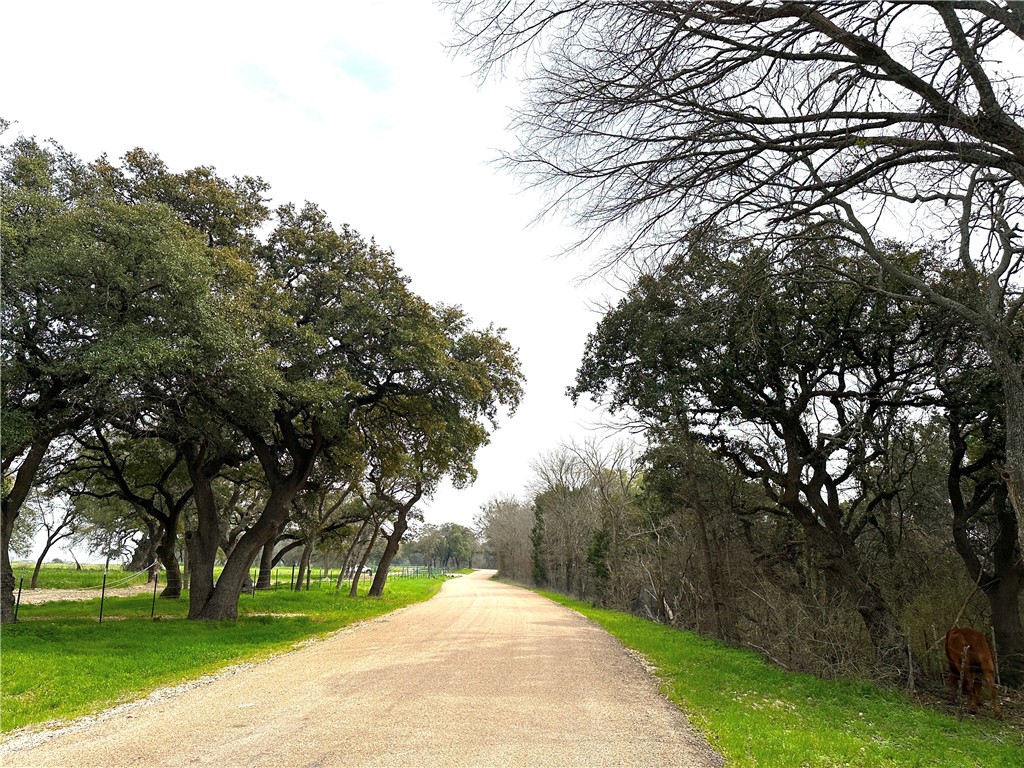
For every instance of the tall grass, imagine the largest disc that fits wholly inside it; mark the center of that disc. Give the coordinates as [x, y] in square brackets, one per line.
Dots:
[60, 662]
[756, 714]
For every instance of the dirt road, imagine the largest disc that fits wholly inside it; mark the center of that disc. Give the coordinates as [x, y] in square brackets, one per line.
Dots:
[484, 674]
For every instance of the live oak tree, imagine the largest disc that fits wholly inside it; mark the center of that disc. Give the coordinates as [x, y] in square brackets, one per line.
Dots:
[98, 295]
[799, 382]
[442, 416]
[177, 308]
[650, 119]
[356, 358]
[147, 473]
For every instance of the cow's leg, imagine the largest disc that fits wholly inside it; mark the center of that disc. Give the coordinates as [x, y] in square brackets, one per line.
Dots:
[972, 680]
[990, 687]
[954, 684]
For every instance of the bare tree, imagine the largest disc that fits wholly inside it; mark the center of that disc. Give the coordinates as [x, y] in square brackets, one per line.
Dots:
[57, 520]
[505, 522]
[655, 118]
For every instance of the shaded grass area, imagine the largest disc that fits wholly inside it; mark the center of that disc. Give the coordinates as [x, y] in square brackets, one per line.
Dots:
[59, 662]
[756, 714]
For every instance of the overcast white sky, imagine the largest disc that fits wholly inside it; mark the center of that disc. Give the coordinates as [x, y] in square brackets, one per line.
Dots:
[356, 106]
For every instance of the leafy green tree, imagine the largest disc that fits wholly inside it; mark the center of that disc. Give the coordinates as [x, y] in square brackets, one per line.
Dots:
[99, 296]
[147, 473]
[241, 339]
[456, 545]
[799, 382]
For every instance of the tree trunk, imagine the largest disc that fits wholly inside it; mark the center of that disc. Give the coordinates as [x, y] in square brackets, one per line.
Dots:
[186, 571]
[166, 552]
[1003, 593]
[9, 509]
[39, 565]
[837, 553]
[202, 543]
[1004, 599]
[354, 589]
[307, 553]
[1011, 374]
[264, 579]
[348, 554]
[222, 601]
[724, 620]
[146, 551]
[390, 550]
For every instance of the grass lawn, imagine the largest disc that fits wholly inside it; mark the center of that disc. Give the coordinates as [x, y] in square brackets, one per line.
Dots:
[759, 715]
[59, 662]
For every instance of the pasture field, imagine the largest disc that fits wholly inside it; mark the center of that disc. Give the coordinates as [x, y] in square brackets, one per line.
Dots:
[759, 715]
[59, 662]
[66, 576]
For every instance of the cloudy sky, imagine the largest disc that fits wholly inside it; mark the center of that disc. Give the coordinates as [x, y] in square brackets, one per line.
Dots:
[356, 106]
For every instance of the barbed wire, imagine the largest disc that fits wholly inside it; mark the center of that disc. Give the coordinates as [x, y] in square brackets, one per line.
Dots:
[130, 577]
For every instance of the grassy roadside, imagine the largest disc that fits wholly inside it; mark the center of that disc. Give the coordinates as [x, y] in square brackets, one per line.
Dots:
[758, 715]
[59, 662]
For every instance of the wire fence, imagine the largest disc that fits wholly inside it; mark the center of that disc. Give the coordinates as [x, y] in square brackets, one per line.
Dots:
[278, 578]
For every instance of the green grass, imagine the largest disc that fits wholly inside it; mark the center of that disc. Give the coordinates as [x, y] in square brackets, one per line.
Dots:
[59, 576]
[59, 662]
[65, 576]
[756, 714]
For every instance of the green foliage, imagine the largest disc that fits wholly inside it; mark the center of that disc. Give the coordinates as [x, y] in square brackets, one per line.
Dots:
[144, 303]
[59, 662]
[758, 715]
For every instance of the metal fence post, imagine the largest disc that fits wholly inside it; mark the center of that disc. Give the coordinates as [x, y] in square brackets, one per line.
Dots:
[156, 581]
[103, 594]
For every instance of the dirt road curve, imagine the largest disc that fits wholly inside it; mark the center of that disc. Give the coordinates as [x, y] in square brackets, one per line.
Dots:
[484, 674]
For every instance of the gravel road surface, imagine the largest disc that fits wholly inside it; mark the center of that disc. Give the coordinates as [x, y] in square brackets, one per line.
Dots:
[484, 674]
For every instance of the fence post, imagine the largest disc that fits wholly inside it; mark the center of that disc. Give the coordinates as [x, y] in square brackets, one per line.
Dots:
[18, 603]
[156, 581]
[292, 584]
[103, 594]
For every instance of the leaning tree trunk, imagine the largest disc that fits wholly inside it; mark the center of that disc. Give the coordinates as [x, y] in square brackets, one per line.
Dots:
[354, 589]
[380, 578]
[348, 554]
[222, 601]
[39, 565]
[166, 552]
[9, 509]
[304, 558]
[264, 578]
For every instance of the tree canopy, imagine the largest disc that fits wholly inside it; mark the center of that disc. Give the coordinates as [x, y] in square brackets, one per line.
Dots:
[142, 304]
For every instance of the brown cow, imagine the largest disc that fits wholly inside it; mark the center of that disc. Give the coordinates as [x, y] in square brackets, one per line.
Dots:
[970, 663]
